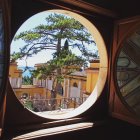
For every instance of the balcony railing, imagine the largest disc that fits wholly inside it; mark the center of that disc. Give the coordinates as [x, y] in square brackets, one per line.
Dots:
[43, 105]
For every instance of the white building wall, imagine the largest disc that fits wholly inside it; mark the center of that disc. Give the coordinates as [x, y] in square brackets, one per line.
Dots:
[49, 85]
[15, 82]
[74, 92]
[44, 83]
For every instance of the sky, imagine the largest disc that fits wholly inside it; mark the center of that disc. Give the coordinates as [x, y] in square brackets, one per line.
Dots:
[27, 25]
[41, 57]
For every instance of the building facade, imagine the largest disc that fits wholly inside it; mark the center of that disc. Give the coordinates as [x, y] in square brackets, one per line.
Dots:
[75, 89]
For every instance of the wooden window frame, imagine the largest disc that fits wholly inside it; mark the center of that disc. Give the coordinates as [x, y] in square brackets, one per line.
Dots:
[117, 107]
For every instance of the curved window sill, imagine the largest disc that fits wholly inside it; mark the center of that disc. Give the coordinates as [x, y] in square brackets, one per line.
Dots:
[54, 130]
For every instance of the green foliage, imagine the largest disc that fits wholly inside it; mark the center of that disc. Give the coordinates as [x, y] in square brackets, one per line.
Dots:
[15, 56]
[66, 45]
[58, 66]
[26, 80]
[28, 104]
[57, 28]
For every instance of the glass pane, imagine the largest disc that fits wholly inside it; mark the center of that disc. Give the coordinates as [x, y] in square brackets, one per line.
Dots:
[128, 71]
[1, 47]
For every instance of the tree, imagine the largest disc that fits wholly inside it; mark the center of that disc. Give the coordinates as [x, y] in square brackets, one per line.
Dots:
[58, 68]
[58, 29]
[26, 80]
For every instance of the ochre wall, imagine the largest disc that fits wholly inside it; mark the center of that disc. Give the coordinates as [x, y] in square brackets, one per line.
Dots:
[14, 72]
[31, 91]
[92, 76]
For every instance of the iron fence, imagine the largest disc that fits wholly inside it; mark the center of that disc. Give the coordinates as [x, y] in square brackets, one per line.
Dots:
[40, 105]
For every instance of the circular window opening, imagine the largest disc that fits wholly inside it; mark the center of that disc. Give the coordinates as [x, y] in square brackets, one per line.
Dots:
[60, 61]
[128, 72]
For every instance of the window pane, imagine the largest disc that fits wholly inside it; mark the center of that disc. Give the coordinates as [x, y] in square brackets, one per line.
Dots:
[128, 71]
[1, 47]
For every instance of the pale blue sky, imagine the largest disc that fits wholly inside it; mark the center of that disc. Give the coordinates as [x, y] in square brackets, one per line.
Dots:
[43, 56]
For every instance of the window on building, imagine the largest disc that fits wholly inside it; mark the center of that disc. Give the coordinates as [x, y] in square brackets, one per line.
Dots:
[75, 84]
[25, 95]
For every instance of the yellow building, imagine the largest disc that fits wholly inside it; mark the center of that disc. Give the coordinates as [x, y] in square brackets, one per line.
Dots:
[92, 75]
[76, 87]
[15, 77]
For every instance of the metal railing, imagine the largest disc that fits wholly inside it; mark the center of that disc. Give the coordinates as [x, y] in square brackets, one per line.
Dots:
[40, 105]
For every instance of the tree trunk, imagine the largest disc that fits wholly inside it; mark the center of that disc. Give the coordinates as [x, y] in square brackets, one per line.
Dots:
[53, 91]
[53, 99]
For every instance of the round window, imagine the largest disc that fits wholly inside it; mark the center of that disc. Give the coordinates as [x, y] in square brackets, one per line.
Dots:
[128, 72]
[61, 61]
